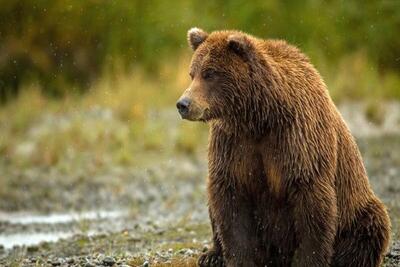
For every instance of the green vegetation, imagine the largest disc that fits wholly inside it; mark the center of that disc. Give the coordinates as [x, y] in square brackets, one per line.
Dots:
[65, 46]
[113, 123]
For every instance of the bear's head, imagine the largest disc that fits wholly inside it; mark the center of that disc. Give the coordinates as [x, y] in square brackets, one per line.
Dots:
[228, 79]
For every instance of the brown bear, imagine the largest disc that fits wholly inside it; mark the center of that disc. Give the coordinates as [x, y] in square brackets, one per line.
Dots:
[286, 182]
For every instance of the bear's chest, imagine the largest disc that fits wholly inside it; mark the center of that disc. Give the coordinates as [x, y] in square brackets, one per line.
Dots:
[253, 166]
[238, 161]
[246, 163]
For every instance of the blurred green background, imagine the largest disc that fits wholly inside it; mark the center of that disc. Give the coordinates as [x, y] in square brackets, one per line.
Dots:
[65, 46]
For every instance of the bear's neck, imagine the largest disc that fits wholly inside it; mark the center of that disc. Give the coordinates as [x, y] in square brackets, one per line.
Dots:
[256, 130]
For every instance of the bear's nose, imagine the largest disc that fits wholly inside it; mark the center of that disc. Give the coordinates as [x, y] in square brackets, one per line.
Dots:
[183, 106]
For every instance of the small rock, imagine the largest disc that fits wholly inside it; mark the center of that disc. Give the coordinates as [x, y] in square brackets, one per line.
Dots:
[108, 261]
[56, 262]
[394, 251]
[89, 264]
[189, 252]
[146, 264]
[182, 251]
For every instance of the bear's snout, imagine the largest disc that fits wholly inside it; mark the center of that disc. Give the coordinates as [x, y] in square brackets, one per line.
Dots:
[190, 109]
[192, 105]
[183, 106]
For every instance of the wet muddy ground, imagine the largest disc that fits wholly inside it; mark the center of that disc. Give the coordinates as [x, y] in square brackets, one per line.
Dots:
[149, 215]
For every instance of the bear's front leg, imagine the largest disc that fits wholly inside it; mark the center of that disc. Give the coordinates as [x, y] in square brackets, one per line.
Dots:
[212, 257]
[315, 214]
[236, 228]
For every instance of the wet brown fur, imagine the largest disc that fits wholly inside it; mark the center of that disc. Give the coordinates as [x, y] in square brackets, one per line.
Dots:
[286, 184]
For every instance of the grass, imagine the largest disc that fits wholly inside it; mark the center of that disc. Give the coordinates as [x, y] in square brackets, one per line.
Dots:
[120, 118]
[356, 78]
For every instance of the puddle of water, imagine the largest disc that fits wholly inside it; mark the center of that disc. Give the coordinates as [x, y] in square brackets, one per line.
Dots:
[54, 218]
[28, 239]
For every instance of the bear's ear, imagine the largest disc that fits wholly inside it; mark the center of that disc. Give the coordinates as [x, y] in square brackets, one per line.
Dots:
[195, 37]
[241, 45]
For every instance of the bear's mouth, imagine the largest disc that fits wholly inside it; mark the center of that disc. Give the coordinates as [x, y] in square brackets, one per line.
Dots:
[197, 114]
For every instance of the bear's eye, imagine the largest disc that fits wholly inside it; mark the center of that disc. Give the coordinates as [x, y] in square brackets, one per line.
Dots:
[208, 74]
